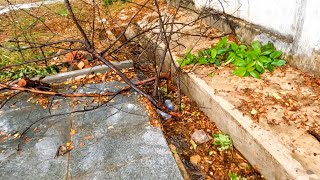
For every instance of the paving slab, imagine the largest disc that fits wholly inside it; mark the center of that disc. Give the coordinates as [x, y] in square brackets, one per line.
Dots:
[114, 141]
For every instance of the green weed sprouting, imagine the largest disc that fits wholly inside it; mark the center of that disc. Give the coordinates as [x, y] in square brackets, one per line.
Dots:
[223, 141]
[248, 60]
[234, 176]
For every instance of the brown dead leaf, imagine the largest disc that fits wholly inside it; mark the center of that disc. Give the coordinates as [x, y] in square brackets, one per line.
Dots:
[22, 83]
[63, 149]
[70, 57]
[195, 159]
[72, 132]
[81, 65]
[69, 146]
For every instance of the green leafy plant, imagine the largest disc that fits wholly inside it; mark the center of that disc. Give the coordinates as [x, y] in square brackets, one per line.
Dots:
[234, 176]
[28, 71]
[248, 60]
[223, 141]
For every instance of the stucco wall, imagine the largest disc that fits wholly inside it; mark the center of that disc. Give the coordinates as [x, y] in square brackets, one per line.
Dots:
[297, 20]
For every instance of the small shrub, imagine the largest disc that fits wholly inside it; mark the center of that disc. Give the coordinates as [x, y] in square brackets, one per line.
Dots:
[248, 60]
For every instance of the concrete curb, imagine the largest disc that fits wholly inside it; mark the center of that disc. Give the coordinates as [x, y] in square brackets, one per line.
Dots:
[83, 72]
[259, 146]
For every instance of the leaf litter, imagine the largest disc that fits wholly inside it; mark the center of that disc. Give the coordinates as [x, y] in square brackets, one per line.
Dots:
[200, 160]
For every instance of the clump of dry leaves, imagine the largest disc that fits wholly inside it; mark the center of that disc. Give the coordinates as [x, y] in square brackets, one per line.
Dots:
[200, 161]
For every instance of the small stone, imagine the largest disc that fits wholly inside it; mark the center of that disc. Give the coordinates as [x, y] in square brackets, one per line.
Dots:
[195, 159]
[200, 137]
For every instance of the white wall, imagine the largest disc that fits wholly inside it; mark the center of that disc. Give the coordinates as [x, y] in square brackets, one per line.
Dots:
[299, 19]
[310, 29]
[260, 12]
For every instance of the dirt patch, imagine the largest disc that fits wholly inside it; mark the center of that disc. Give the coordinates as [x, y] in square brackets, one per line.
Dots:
[212, 164]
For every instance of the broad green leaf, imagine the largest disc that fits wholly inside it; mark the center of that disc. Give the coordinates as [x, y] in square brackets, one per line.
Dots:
[278, 62]
[221, 51]
[179, 61]
[234, 46]
[270, 68]
[250, 69]
[267, 52]
[184, 62]
[243, 47]
[222, 43]
[256, 47]
[203, 60]
[240, 71]
[269, 45]
[275, 54]
[249, 59]
[255, 74]
[256, 44]
[212, 60]
[207, 52]
[213, 53]
[231, 57]
[241, 54]
[251, 64]
[240, 63]
[264, 59]
[252, 54]
[259, 67]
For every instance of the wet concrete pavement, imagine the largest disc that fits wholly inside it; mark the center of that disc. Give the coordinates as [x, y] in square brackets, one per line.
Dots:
[111, 142]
